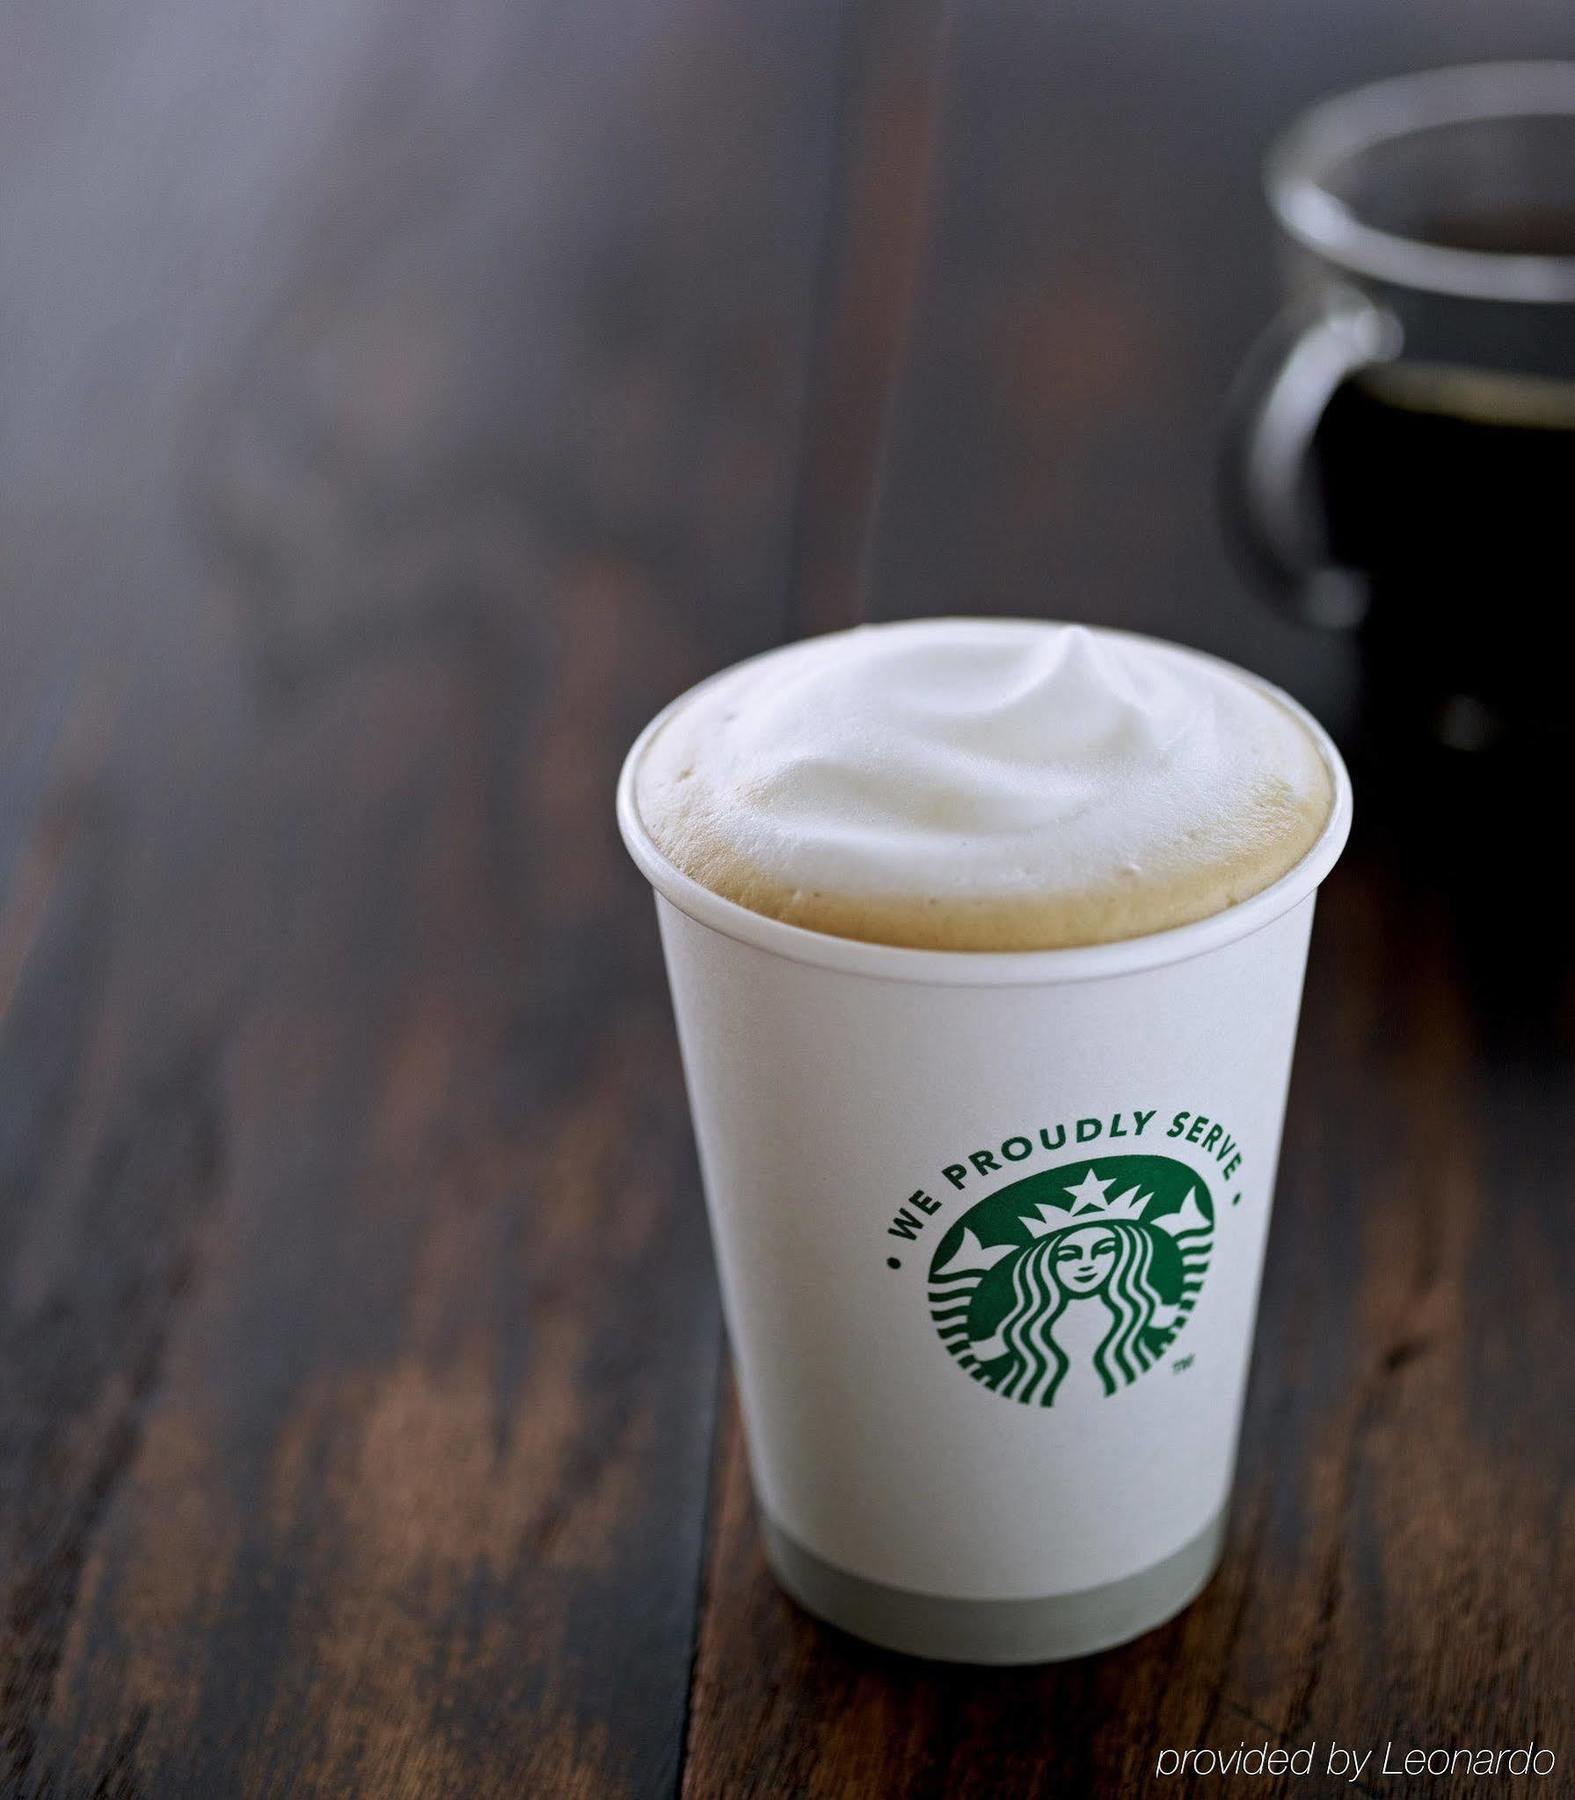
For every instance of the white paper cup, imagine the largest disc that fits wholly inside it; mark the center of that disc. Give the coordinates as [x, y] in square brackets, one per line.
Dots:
[990, 1229]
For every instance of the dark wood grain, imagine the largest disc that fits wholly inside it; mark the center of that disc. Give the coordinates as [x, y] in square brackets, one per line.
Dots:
[410, 404]
[398, 405]
[879, 220]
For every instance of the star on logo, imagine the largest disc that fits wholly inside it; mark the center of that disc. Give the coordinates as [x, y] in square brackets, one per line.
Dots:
[1090, 1193]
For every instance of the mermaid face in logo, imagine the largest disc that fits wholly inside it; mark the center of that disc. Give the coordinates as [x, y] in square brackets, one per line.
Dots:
[1105, 1293]
[1083, 1258]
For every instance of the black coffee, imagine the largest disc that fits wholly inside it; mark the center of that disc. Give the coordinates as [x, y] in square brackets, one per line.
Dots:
[1465, 530]
[1504, 231]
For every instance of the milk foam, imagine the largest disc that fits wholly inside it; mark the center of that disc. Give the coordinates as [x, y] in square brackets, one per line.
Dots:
[983, 784]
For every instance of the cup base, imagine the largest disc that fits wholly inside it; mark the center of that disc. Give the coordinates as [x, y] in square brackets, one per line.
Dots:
[1053, 1629]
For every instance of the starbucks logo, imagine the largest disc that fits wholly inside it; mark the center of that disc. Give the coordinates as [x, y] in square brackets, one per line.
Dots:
[1075, 1280]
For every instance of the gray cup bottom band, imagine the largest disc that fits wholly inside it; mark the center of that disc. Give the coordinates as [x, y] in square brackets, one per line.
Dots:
[996, 1631]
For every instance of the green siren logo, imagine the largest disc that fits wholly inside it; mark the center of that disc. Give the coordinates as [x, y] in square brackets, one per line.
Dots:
[1075, 1280]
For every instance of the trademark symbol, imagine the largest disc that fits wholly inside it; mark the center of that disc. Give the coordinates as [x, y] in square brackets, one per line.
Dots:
[1180, 1365]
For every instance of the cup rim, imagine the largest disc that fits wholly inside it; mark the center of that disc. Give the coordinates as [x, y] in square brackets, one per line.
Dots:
[990, 968]
[1299, 160]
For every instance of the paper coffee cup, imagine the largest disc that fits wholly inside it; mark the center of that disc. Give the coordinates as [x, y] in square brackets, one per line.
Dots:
[989, 1229]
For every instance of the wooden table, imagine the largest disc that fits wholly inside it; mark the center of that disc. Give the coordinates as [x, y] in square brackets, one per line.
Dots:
[397, 404]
